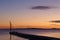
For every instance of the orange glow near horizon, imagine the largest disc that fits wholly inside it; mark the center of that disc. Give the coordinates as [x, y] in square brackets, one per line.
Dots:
[31, 25]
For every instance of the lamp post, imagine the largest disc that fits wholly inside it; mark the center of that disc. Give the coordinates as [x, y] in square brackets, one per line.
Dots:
[10, 29]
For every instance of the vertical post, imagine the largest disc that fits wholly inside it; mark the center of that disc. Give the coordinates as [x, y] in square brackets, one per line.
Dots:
[10, 28]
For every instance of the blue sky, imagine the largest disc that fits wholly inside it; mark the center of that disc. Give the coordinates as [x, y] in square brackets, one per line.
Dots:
[22, 14]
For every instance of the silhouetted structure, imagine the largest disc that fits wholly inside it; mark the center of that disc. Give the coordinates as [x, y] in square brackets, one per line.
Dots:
[33, 37]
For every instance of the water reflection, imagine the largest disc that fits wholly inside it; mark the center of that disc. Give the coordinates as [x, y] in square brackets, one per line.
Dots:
[4, 35]
[53, 34]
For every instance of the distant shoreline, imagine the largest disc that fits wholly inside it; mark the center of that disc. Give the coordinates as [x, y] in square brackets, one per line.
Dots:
[32, 29]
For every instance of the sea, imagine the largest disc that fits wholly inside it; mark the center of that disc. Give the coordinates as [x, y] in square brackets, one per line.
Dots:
[4, 34]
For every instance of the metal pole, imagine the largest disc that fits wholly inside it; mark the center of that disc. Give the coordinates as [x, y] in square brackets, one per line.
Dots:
[10, 29]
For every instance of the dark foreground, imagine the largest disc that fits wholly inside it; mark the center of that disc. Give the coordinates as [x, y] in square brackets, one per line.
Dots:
[33, 37]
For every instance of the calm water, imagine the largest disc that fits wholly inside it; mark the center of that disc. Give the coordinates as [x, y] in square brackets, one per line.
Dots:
[4, 35]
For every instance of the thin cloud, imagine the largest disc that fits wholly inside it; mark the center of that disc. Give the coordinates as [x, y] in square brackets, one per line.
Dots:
[56, 21]
[42, 7]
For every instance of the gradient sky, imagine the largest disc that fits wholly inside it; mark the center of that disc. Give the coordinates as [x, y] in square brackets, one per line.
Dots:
[21, 14]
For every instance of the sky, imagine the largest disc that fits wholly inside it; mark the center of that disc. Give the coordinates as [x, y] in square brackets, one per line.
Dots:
[29, 13]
